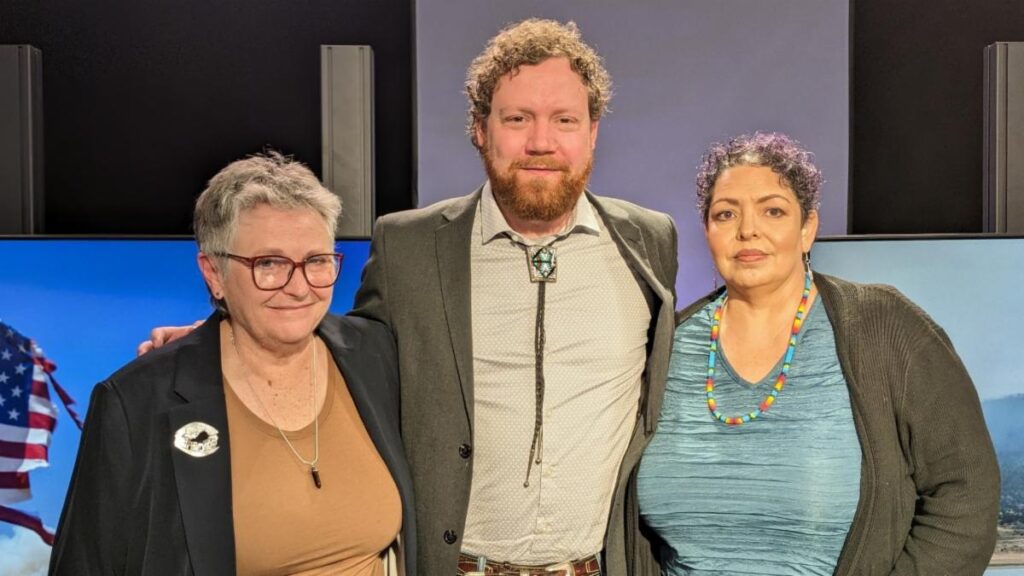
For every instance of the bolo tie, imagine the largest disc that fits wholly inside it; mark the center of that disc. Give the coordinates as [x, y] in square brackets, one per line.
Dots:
[543, 268]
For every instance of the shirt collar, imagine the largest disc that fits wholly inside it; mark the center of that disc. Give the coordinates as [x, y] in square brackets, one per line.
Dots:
[493, 224]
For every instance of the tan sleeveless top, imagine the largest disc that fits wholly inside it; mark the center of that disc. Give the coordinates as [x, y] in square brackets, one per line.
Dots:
[283, 523]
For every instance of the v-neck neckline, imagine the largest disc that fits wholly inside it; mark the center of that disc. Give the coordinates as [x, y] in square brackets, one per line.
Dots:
[773, 372]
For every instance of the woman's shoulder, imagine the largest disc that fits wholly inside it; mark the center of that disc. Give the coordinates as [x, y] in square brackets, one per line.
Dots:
[697, 305]
[151, 377]
[881, 305]
[357, 332]
[838, 293]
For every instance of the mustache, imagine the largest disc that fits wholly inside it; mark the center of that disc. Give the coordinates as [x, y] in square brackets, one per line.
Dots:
[543, 163]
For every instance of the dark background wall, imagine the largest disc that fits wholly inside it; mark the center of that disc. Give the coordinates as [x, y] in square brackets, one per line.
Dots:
[917, 99]
[144, 100]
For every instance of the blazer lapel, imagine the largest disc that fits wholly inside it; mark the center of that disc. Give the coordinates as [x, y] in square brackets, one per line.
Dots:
[362, 370]
[204, 483]
[452, 240]
[357, 365]
[627, 235]
[634, 249]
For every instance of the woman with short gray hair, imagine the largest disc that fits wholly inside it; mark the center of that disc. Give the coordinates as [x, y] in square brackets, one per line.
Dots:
[266, 441]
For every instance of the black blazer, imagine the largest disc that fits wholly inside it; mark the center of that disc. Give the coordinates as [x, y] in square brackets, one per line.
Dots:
[137, 505]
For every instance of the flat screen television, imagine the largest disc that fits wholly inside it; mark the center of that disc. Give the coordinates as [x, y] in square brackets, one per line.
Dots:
[972, 287]
[87, 303]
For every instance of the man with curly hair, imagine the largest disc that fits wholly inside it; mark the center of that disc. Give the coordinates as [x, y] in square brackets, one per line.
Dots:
[533, 321]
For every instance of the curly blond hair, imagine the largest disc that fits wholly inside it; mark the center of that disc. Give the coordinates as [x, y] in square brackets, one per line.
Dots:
[528, 43]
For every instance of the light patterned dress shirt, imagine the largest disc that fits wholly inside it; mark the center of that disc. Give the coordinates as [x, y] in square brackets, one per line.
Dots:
[596, 323]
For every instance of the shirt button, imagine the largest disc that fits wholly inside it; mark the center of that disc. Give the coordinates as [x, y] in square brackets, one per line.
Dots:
[465, 451]
[450, 536]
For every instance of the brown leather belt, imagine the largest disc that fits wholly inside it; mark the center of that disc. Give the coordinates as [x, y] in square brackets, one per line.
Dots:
[589, 566]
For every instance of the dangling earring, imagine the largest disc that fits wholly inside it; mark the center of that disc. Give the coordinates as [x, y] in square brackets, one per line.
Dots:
[807, 267]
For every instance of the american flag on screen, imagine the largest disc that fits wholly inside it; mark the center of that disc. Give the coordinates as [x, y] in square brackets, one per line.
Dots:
[27, 420]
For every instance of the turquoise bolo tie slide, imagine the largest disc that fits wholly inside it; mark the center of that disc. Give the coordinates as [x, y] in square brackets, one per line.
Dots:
[542, 265]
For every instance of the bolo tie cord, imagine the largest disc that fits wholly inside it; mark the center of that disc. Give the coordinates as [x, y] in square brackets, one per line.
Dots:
[537, 445]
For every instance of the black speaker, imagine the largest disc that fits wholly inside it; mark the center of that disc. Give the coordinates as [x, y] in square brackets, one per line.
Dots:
[21, 140]
[1004, 138]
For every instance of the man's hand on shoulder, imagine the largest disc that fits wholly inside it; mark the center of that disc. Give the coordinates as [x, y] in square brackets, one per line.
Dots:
[165, 335]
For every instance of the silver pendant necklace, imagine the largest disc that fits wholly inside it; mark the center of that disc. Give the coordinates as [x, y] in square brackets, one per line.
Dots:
[313, 470]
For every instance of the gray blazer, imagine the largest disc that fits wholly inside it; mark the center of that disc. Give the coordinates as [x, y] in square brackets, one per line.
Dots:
[417, 282]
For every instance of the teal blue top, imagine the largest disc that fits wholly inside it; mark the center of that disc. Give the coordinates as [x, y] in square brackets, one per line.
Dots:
[773, 496]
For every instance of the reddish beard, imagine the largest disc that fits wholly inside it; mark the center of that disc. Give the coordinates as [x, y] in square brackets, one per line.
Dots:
[537, 199]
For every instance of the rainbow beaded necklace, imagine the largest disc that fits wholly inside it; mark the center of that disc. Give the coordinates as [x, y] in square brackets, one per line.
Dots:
[765, 404]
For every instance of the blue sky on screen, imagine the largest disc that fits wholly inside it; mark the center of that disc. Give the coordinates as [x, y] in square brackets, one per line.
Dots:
[969, 286]
[88, 303]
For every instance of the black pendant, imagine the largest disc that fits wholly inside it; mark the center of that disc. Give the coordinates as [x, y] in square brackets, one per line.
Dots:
[316, 476]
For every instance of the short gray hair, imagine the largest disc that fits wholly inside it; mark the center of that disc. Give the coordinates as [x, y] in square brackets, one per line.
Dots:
[263, 179]
[785, 156]
[271, 179]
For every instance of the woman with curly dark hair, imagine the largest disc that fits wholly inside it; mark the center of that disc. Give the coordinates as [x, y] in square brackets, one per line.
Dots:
[810, 425]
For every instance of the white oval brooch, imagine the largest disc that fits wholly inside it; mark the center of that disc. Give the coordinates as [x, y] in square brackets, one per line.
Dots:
[197, 439]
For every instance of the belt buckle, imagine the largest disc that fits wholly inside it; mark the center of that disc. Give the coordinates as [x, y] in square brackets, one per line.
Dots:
[563, 567]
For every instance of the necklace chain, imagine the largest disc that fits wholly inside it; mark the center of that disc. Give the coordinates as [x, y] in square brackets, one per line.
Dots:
[316, 417]
[780, 381]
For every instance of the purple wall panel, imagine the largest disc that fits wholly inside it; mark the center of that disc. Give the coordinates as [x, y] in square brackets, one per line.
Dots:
[686, 73]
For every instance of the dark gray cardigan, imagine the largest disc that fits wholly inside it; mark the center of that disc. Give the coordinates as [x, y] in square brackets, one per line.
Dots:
[929, 488]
